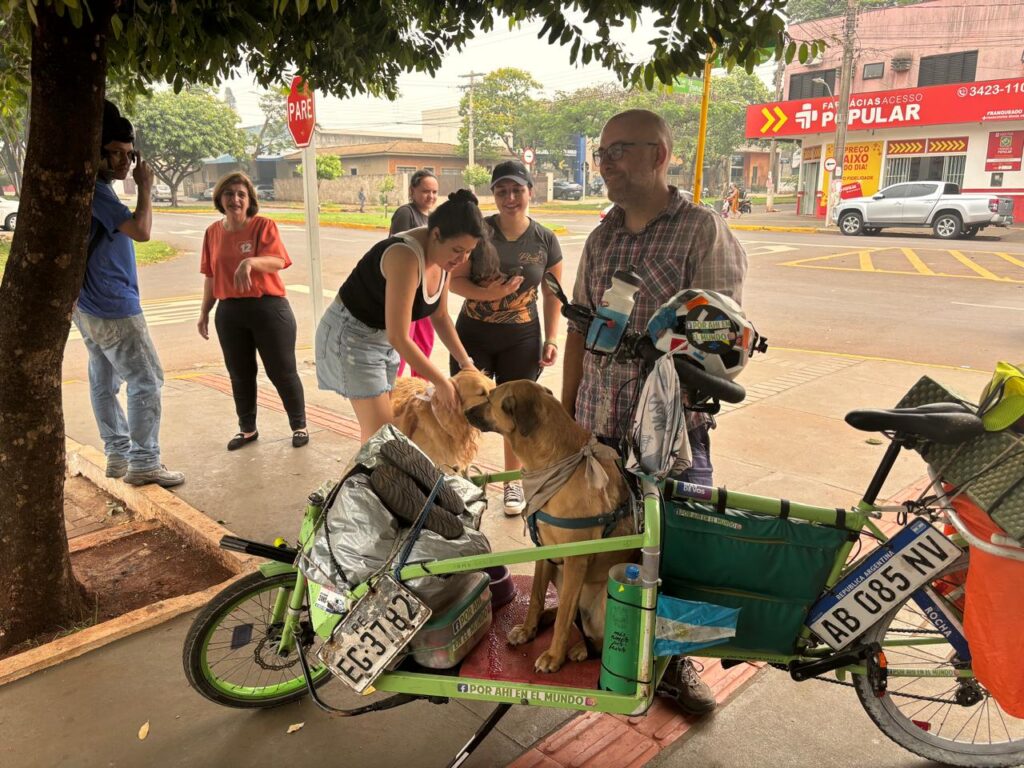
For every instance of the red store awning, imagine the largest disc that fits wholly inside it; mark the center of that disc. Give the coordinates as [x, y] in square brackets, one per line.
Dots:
[989, 101]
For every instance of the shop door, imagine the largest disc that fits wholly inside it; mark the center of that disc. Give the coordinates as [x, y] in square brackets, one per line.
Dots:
[809, 184]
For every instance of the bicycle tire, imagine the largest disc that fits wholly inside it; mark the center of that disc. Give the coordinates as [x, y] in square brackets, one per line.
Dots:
[405, 499]
[949, 720]
[412, 461]
[252, 597]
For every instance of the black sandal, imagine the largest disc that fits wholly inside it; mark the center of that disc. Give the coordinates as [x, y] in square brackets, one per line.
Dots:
[299, 438]
[240, 440]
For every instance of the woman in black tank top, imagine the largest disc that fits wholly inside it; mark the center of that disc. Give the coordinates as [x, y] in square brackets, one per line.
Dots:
[401, 279]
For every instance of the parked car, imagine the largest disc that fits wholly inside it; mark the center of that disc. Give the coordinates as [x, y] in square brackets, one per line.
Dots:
[8, 213]
[596, 186]
[934, 204]
[567, 190]
[206, 194]
[265, 191]
[161, 192]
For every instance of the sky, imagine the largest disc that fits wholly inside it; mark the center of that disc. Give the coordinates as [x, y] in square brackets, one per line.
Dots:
[499, 48]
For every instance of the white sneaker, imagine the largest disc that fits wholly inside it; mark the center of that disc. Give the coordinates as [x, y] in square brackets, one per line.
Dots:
[514, 501]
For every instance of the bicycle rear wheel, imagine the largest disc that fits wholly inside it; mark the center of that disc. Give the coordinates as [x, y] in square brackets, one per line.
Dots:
[951, 721]
[230, 653]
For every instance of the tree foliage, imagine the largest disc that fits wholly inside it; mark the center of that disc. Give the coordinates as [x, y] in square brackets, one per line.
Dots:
[474, 175]
[344, 48]
[272, 136]
[176, 132]
[502, 109]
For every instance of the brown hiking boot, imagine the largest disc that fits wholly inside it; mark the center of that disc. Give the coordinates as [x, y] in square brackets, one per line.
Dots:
[683, 684]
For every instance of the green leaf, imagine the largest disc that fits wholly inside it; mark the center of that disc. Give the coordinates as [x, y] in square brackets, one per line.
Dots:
[803, 56]
[116, 25]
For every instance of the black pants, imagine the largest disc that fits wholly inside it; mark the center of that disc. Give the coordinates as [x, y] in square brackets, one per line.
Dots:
[265, 325]
[505, 351]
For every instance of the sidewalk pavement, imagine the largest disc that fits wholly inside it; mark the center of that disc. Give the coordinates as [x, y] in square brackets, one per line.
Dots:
[787, 439]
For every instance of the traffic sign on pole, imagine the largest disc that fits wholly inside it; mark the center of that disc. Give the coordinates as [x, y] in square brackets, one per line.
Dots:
[301, 112]
[830, 164]
[528, 156]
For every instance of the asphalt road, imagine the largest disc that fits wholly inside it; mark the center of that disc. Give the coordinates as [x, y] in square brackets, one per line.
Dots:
[908, 298]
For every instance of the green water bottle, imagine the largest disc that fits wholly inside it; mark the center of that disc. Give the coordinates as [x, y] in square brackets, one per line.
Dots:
[621, 647]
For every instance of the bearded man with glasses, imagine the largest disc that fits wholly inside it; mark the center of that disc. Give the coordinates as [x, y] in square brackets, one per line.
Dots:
[672, 245]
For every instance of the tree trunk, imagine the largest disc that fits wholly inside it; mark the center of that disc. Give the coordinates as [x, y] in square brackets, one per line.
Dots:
[38, 591]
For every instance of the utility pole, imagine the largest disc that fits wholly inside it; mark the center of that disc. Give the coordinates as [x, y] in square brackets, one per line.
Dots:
[842, 108]
[773, 160]
[472, 81]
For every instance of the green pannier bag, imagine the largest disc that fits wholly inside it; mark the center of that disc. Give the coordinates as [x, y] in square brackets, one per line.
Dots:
[772, 569]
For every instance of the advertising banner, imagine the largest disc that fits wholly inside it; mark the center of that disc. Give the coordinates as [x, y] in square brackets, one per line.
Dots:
[1004, 151]
[989, 101]
[862, 169]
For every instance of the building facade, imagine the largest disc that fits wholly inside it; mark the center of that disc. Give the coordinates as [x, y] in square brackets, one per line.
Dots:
[394, 157]
[937, 95]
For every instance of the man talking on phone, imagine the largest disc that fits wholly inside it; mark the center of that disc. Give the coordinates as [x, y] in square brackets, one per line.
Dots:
[108, 314]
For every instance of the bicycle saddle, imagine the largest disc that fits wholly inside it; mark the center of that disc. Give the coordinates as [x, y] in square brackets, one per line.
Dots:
[947, 423]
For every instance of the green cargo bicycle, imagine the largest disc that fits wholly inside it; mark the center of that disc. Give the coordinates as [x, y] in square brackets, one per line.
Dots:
[868, 597]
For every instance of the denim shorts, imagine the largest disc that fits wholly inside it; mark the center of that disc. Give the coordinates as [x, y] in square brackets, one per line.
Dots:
[352, 358]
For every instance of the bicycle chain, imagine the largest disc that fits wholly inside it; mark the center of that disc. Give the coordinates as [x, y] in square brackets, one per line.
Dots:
[890, 694]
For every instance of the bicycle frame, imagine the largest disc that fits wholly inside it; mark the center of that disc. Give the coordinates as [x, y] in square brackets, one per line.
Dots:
[946, 617]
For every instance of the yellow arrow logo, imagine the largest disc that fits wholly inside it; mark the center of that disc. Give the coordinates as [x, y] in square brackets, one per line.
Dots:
[782, 119]
[772, 122]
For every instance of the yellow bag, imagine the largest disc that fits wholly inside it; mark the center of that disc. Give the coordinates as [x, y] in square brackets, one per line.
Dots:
[1002, 401]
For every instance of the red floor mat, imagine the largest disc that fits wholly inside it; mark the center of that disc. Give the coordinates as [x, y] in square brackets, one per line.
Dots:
[494, 659]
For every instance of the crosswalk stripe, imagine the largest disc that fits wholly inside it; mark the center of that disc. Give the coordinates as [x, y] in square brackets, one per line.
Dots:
[1016, 262]
[977, 268]
[916, 261]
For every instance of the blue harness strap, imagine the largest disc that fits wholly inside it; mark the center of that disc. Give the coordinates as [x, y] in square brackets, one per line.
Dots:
[609, 521]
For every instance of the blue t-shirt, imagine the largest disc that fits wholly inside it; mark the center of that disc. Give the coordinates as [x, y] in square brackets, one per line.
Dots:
[111, 287]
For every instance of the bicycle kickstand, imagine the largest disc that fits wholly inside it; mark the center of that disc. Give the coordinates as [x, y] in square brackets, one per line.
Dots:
[486, 727]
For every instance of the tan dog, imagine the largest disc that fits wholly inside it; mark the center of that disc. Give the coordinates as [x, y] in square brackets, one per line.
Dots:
[448, 439]
[541, 434]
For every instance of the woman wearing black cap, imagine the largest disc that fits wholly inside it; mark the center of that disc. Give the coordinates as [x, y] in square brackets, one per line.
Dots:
[500, 324]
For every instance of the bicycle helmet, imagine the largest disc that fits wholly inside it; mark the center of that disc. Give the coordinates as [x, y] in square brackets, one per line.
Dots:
[707, 327]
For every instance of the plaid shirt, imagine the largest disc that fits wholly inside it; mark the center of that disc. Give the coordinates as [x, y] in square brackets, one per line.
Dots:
[684, 246]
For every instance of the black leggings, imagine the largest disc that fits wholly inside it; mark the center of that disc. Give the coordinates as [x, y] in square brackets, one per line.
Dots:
[265, 325]
[505, 351]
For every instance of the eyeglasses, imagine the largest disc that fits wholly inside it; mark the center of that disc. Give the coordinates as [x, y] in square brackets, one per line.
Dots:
[614, 152]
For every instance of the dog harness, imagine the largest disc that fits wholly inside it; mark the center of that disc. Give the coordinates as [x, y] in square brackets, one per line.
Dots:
[540, 485]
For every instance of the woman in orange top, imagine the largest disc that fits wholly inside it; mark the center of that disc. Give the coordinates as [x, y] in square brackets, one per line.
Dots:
[242, 255]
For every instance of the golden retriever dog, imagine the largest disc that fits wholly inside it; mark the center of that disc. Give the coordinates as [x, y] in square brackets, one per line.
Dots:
[542, 433]
[448, 439]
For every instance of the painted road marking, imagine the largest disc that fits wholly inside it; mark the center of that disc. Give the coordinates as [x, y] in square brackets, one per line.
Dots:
[182, 309]
[162, 312]
[986, 306]
[980, 265]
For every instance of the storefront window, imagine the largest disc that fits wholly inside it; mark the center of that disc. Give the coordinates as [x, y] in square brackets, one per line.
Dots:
[948, 168]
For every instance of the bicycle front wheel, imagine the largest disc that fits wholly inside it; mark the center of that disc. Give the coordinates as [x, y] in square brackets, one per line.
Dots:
[231, 651]
[950, 720]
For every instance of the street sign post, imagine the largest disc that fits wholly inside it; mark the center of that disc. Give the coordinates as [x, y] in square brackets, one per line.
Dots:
[528, 156]
[301, 125]
[830, 164]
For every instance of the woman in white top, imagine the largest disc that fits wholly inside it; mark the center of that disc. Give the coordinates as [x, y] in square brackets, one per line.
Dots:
[366, 329]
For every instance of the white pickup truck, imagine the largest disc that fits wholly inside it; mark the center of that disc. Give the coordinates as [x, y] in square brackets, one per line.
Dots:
[934, 204]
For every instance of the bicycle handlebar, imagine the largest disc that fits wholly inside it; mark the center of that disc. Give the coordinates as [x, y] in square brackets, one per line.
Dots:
[640, 348]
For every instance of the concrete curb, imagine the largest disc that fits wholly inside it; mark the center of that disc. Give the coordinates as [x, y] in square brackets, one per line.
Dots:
[151, 503]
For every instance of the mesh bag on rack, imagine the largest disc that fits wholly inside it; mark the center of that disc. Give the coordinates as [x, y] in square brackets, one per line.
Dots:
[988, 468]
